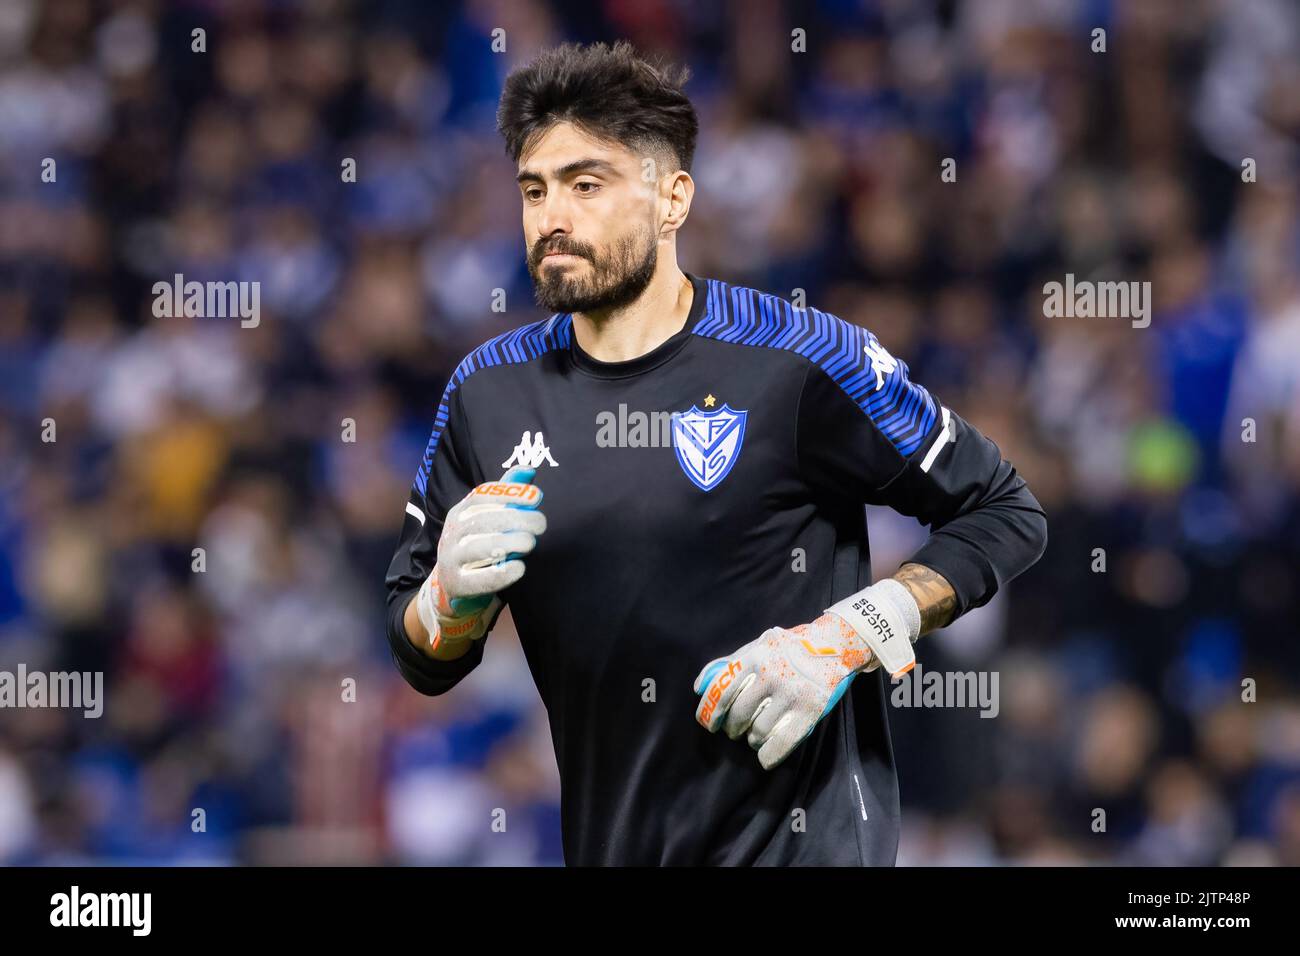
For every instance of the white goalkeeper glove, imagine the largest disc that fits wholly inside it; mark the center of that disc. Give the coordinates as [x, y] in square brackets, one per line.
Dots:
[777, 687]
[483, 538]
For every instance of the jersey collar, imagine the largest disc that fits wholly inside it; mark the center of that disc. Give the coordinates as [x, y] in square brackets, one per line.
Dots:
[656, 356]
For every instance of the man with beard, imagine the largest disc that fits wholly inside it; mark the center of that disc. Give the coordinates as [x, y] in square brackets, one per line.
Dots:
[720, 581]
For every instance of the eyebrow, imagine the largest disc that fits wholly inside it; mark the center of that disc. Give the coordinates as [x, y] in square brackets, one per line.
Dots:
[569, 169]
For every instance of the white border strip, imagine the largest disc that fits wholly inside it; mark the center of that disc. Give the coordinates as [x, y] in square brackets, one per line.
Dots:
[938, 445]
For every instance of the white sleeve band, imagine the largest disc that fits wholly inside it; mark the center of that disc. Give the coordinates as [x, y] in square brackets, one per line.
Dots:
[939, 442]
[886, 616]
[442, 628]
[424, 607]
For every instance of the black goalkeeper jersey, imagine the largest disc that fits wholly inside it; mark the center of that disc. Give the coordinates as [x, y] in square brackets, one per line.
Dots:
[696, 496]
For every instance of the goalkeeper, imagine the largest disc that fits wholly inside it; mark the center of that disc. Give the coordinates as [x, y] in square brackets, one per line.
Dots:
[665, 480]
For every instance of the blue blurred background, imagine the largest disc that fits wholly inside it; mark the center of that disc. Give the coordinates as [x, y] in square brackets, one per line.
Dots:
[816, 170]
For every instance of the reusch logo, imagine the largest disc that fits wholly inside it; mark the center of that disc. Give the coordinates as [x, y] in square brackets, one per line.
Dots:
[715, 692]
[524, 494]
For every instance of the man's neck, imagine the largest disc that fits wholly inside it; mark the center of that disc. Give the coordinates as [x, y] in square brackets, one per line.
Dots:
[640, 327]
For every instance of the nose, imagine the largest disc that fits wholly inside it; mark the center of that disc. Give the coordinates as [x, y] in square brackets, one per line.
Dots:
[553, 218]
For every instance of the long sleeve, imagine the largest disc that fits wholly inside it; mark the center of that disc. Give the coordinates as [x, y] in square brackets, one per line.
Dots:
[867, 432]
[444, 478]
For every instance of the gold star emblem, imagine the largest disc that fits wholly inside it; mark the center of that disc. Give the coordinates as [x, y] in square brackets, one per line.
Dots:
[709, 401]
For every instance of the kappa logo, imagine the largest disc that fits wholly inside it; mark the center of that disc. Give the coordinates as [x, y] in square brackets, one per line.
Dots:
[882, 363]
[531, 452]
[708, 443]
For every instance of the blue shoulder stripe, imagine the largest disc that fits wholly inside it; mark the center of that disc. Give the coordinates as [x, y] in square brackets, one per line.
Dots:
[510, 348]
[852, 356]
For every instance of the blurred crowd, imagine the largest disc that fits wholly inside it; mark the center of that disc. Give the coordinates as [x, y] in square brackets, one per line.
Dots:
[253, 714]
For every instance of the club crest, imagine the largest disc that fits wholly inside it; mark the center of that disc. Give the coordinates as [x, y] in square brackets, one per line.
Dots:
[708, 443]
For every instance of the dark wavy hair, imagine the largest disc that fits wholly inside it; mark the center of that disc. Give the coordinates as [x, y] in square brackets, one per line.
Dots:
[610, 93]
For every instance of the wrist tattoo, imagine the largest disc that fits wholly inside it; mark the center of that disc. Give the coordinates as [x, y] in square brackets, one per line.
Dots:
[934, 595]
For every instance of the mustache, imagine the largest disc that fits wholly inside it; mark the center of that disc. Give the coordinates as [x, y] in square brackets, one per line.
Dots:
[540, 251]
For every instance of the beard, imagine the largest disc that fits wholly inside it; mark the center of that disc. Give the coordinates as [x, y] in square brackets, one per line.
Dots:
[614, 279]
